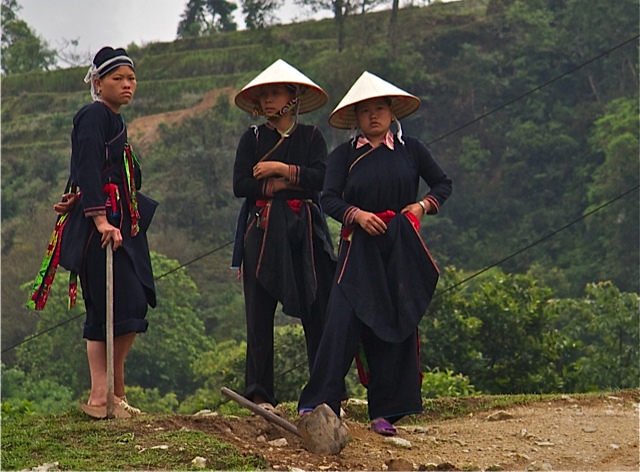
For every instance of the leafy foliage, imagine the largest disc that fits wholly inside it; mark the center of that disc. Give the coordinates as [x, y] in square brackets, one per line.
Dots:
[21, 49]
[205, 17]
[259, 13]
[161, 358]
[520, 173]
[506, 334]
[602, 329]
[25, 395]
[437, 384]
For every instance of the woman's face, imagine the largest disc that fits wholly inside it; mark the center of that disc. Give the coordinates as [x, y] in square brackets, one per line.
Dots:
[273, 98]
[374, 117]
[117, 87]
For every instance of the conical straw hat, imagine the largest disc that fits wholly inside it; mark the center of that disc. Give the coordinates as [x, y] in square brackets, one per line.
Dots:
[370, 86]
[311, 95]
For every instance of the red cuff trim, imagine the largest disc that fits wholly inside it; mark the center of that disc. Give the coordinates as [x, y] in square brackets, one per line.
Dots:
[95, 211]
[294, 174]
[435, 206]
[349, 216]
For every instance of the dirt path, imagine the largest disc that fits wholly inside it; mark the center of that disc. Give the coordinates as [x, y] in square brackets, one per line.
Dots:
[143, 131]
[572, 433]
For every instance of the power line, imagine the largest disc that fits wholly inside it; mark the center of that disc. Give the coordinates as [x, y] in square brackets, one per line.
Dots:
[504, 105]
[544, 238]
[520, 97]
[207, 254]
[62, 323]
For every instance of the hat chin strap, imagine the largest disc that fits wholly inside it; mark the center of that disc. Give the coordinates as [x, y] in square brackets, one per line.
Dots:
[293, 105]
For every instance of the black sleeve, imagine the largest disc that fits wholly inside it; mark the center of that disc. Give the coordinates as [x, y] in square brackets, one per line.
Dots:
[90, 130]
[334, 183]
[311, 176]
[244, 184]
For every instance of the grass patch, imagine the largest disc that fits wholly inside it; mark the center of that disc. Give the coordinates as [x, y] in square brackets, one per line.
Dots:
[78, 443]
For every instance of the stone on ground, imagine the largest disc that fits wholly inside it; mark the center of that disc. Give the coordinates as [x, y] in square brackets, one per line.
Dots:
[322, 431]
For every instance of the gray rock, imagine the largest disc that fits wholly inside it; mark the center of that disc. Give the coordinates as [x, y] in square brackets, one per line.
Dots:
[399, 442]
[280, 442]
[322, 431]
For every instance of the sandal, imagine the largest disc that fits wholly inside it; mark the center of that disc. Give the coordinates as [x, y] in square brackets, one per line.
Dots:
[100, 412]
[383, 427]
[128, 408]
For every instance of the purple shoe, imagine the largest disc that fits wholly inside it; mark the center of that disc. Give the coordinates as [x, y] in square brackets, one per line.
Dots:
[383, 427]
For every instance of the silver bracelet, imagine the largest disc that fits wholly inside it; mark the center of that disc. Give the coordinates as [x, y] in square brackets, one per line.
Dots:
[424, 207]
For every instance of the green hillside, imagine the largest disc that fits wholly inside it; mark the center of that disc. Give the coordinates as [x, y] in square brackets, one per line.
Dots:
[531, 108]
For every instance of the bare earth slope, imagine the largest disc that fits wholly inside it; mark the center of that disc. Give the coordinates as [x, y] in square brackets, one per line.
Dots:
[143, 131]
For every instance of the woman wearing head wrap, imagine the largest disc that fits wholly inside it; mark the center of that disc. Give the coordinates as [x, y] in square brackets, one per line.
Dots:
[282, 237]
[102, 205]
[385, 276]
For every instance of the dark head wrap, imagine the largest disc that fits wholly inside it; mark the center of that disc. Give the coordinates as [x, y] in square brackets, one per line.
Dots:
[106, 60]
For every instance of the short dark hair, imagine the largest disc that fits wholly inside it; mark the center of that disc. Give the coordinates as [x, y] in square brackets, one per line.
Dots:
[387, 100]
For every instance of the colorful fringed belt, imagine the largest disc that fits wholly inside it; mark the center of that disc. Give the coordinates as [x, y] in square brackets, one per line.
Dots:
[44, 279]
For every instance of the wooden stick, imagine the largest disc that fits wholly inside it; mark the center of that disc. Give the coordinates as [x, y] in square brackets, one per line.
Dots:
[109, 322]
[272, 417]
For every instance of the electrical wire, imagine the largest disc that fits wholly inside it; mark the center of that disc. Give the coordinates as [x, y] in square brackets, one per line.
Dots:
[539, 87]
[475, 120]
[62, 323]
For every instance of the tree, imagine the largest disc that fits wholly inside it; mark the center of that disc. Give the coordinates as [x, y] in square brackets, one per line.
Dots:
[259, 13]
[204, 17]
[460, 330]
[601, 347]
[341, 9]
[67, 53]
[617, 229]
[162, 357]
[21, 49]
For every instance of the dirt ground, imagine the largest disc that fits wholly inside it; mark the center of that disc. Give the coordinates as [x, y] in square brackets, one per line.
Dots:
[571, 433]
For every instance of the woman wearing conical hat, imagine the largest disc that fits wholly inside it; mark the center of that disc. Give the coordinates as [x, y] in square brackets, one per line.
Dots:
[282, 237]
[385, 276]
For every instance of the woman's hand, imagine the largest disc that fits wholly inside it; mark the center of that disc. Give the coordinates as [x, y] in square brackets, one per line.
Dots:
[66, 205]
[279, 184]
[108, 232]
[266, 169]
[417, 209]
[370, 223]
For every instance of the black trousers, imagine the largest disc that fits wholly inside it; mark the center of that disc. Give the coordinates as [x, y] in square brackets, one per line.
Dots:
[260, 308]
[394, 386]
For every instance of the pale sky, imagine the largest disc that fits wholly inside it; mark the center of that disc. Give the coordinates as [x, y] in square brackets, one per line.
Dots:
[117, 23]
